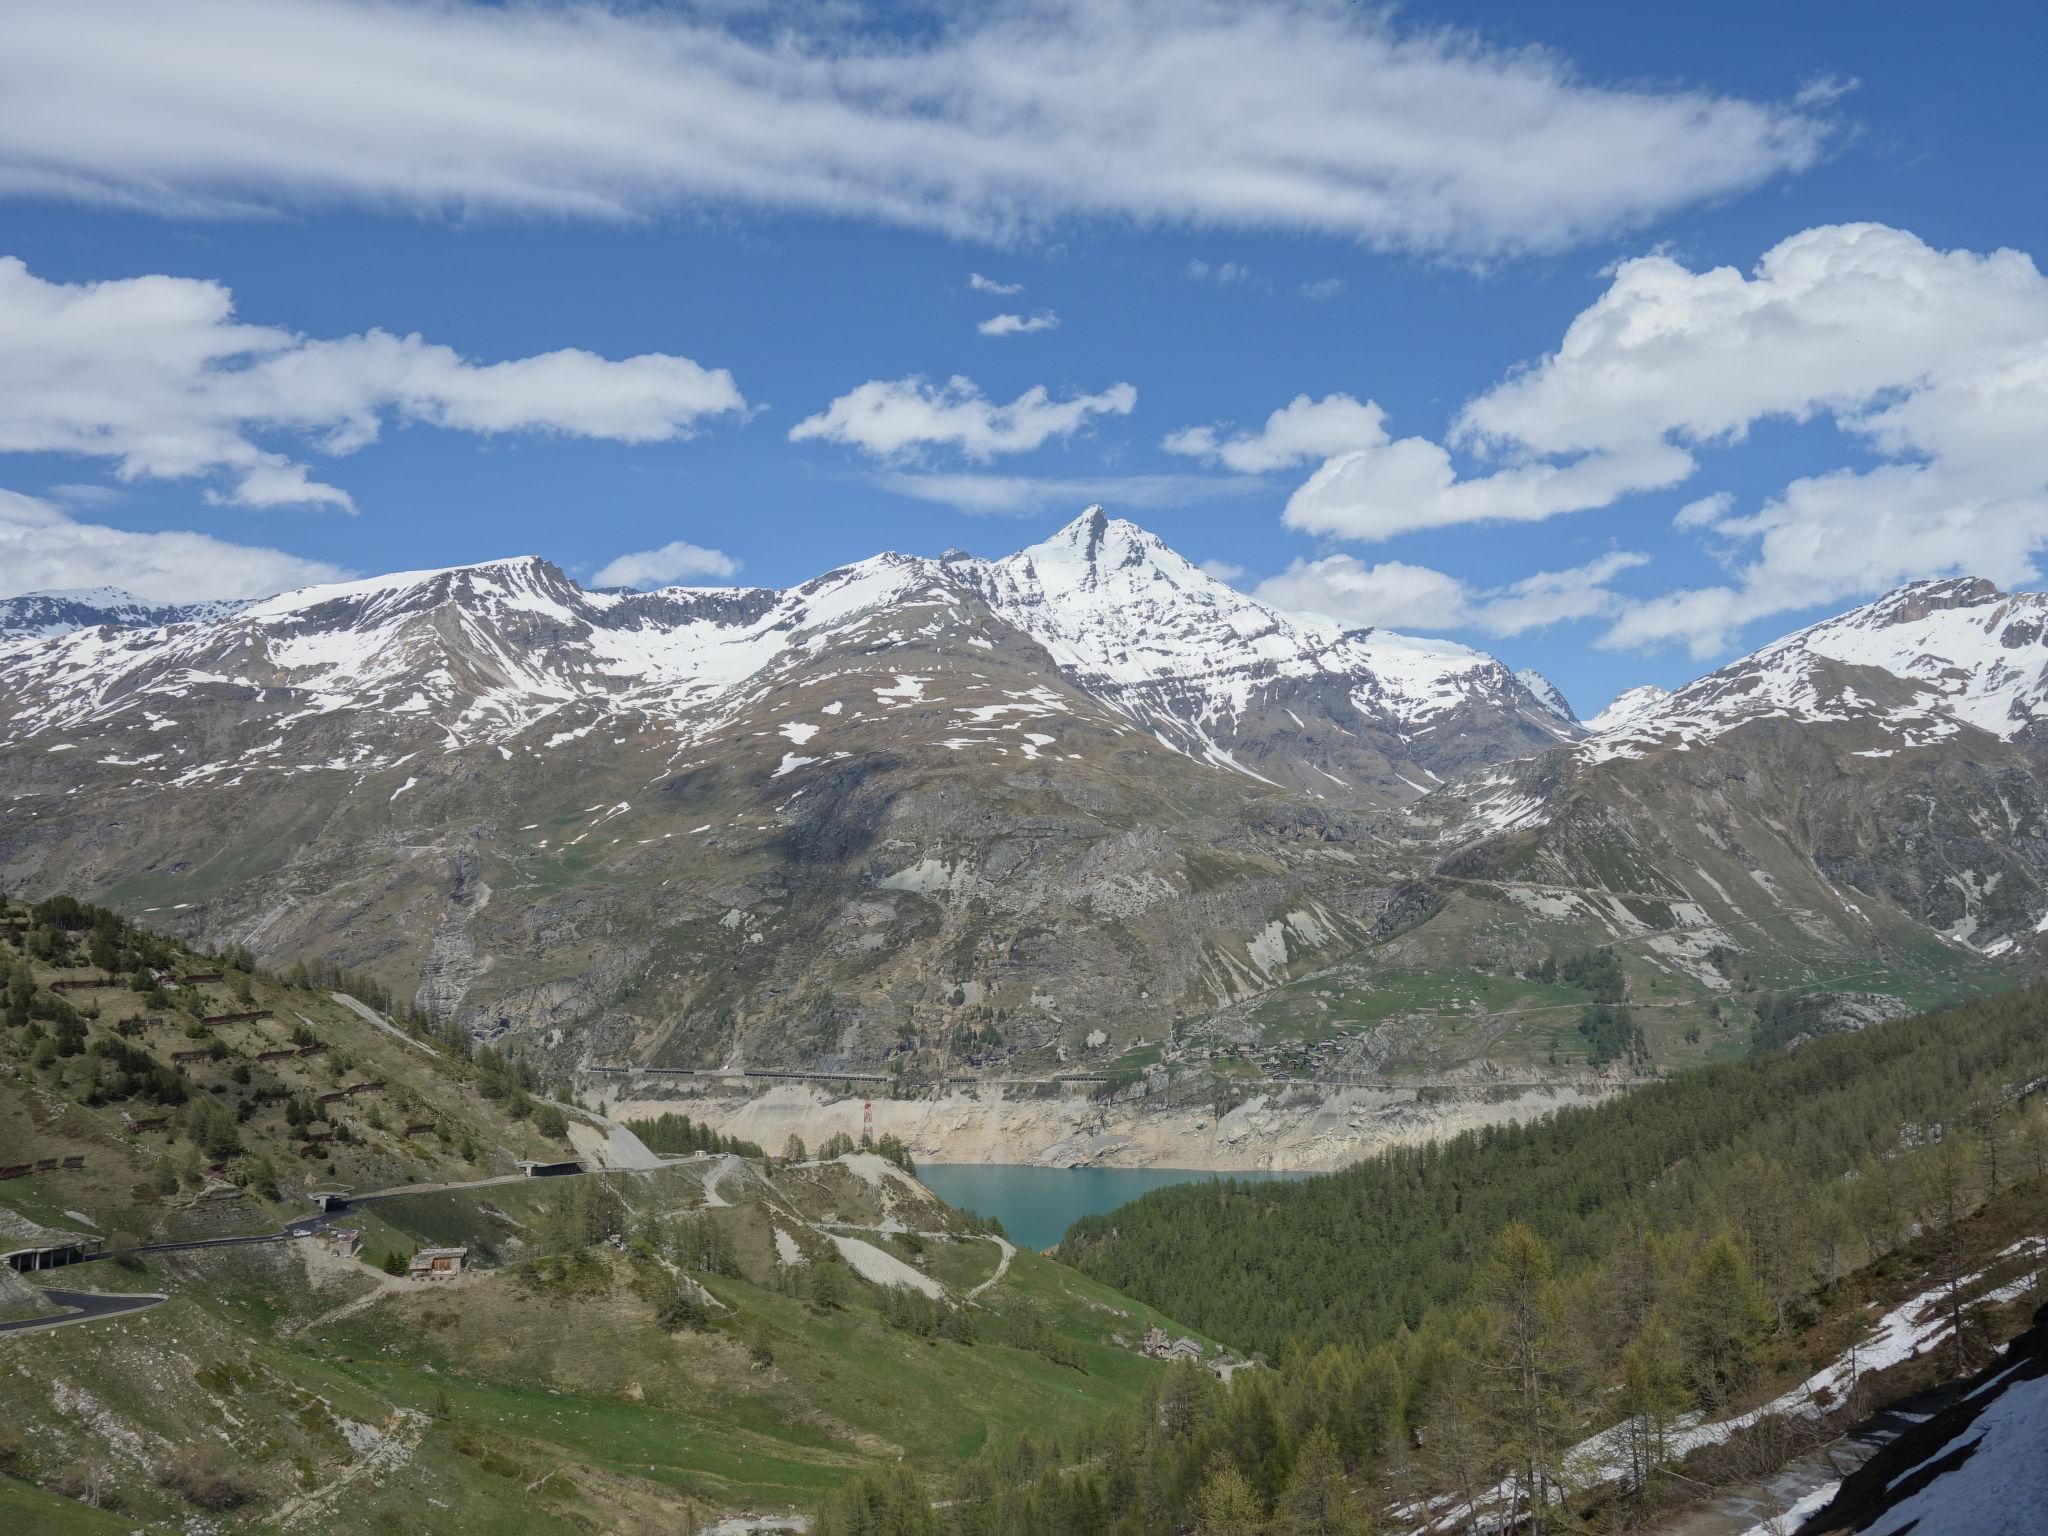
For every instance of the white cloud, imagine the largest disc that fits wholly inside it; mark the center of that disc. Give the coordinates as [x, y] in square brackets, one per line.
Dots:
[1322, 290]
[1301, 430]
[1932, 364]
[42, 547]
[86, 495]
[1345, 589]
[1410, 485]
[982, 284]
[1558, 597]
[1825, 90]
[663, 567]
[1704, 512]
[1295, 114]
[1222, 570]
[156, 374]
[1021, 495]
[888, 418]
[1227, 274]
[1018, 325]
[1399, 595]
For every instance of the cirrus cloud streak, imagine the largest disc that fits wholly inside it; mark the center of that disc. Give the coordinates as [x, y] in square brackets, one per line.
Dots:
[1292, 114]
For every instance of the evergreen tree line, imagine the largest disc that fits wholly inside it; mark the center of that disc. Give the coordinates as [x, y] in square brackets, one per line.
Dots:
[1686, 1296]
[1368, 1251]
[678, 1135]
[838, 1144]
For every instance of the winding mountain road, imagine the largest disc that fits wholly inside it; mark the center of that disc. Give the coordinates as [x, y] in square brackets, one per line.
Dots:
[86, 1307]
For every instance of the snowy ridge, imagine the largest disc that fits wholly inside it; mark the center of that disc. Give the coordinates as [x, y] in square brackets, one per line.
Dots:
[42, 615]
[1923, 663]
[509, 649]
[1188, 656]
[1546, 693]
[476, 654]
[1629, 706]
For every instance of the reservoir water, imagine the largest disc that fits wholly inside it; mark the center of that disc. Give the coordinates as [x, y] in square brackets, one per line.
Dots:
[1035, 1205]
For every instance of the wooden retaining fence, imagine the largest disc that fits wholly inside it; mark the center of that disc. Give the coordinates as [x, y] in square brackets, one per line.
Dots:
[42, 1165]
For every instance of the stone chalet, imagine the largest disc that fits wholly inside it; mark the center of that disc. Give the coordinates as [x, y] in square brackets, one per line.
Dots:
[1160, 1347]
[437, 1263]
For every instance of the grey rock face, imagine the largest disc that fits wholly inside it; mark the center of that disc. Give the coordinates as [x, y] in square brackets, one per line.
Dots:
[989, 807]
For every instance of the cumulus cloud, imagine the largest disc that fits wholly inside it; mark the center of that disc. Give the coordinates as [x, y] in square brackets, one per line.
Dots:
[1294, 114]
[1410, 485]
[1347, 590]
[157, 374]
[982, 284]
[1703, 512]
[1225, 274]
[1558, 597]
[1394, 593]
[42, 547]
[673, 562]
[1022, 495]
[890, 418]
[1300, 430]
[1322, 290]
[1933, 364]
[1019, 325]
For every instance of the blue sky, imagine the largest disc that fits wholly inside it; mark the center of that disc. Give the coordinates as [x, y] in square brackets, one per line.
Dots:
[1859, 414]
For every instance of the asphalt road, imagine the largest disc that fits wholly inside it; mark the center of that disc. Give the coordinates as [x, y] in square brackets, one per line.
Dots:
[85, 1307]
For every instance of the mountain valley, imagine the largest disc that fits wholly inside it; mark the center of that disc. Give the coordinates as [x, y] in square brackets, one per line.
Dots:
[1085, 812]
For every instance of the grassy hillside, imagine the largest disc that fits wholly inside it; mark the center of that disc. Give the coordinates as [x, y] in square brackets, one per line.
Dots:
[200, 1096]
[633, 1351]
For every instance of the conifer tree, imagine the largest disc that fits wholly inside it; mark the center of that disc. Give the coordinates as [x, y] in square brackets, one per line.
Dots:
[1527, 1362]
[1316, 1500]
[1652, 1395]
[1722, 1318]
[1227, 1506]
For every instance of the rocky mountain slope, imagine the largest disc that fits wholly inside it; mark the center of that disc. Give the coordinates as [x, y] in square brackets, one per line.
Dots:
[1867, 783]
[945, 810]
[41, 615]
[907, 797]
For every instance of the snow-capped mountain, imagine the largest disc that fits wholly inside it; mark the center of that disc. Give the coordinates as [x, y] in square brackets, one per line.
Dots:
[1234, 682]
[39, 615]
[487, 654]
[1546, 692]
[1630, 705]
[1084, 782]
[1922, 663]
[1893, 757]
[1033, 782]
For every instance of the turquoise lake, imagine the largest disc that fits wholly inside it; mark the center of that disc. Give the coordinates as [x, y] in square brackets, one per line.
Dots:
[1035, 1205]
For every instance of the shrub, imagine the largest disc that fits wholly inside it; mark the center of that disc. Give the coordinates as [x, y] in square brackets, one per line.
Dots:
[680, 1308]
[202, 1477]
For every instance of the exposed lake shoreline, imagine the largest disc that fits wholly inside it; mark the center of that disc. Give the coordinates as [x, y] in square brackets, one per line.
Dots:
[1310, 1129]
